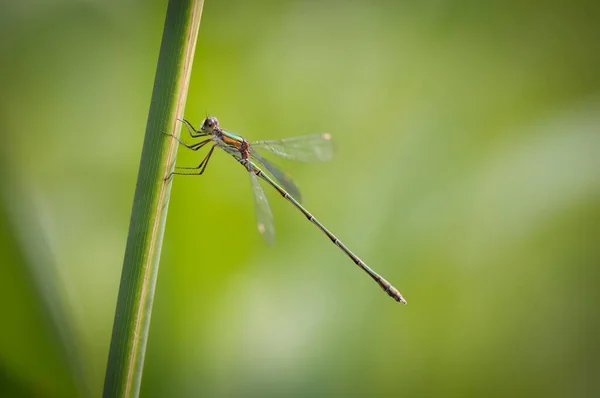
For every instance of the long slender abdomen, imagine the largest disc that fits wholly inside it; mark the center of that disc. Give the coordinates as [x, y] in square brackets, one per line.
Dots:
[385, 285]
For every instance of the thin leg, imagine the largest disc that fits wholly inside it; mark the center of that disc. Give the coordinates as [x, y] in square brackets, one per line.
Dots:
[198, 145]
[193, 147]
[201, 166]
[191, 129]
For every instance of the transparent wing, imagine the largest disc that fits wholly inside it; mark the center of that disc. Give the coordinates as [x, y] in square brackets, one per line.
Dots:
[264, 217]
[306, 148]
[288, 184]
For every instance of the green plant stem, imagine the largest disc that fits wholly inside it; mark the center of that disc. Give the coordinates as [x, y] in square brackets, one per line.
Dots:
[144, 241]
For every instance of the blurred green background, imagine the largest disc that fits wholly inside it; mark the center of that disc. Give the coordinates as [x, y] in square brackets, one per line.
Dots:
[467, 173]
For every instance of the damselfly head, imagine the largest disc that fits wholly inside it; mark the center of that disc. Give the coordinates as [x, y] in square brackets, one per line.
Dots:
[209, 124]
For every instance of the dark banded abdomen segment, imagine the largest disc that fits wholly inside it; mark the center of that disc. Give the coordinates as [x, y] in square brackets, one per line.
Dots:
[385, 285]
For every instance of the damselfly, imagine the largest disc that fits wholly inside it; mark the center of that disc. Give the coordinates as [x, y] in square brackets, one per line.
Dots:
[317, 147]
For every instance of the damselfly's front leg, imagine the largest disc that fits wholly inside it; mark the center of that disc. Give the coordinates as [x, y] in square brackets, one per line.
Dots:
[191, 129]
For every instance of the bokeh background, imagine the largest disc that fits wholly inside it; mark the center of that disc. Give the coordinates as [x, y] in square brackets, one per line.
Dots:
[467, 172]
